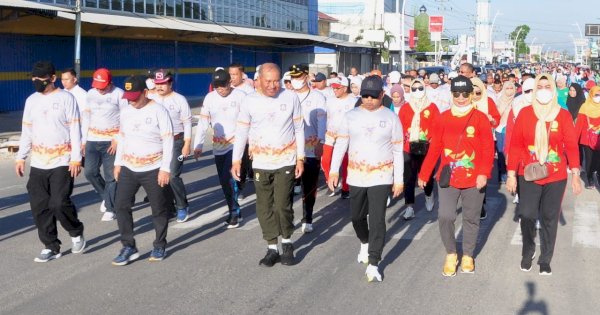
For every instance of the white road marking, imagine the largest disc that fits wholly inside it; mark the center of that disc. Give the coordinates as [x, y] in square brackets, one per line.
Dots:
[586, 225]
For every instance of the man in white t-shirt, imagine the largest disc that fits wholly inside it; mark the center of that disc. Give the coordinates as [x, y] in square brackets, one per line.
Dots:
[69, 80]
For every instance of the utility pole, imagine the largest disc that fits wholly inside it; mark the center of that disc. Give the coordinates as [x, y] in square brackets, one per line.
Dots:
[438, 47]
[77, 63]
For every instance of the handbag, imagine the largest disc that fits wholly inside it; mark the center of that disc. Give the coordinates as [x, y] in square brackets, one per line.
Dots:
[536, 171]
[592, 137]
[446, 172]
[419, 147]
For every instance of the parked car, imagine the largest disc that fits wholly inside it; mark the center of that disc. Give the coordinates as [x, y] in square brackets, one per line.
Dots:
[436, 69]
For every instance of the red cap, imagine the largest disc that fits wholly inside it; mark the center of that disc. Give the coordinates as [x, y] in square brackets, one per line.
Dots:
[101, 79]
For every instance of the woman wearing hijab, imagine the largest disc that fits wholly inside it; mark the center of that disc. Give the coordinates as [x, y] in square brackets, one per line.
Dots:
[464, 144]
[575, 100]
[355, 86]
[504, 105]
[418, 118]
[587, 129]
[485, 104]
[543, 134]
[397, 93]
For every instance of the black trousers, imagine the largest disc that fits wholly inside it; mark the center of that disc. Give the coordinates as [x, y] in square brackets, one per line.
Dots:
[50, 199]
[160, 203]
[371, 201]
[246, 170]
[592, 163]
[412, 166]
[228, 184]
[545, 201]
[310, 180]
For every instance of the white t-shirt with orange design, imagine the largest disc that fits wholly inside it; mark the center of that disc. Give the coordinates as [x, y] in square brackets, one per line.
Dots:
[101, 115]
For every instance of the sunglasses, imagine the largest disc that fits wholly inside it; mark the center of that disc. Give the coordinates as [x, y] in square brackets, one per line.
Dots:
[458, 94]
[419, 88]
[478, 93]
[528, 91]
[369, 96]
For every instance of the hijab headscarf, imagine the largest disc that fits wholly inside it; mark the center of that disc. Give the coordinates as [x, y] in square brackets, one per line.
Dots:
[589, 108]
[397, 88]
[544, 113]
[574, 103]
[482, 104]
[417, 105]
[505, 102]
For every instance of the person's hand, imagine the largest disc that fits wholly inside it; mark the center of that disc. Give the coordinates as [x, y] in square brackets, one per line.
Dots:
[333, 180]
[576, 184]
[113, 147]
[197, 153]
[299, 168]
[318, 150]
[20, 168]
[236, 169]
[185, 151]
[481, 181]
[163, 178]
[422, 183]
[511, 184]
[74, 169]
[83, 149]
[116, 172]
[397, 190]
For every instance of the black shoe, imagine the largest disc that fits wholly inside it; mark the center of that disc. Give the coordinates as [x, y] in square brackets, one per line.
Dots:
[233, 222]
[345, 194]
[287, 257]
[526, 264]
[271, 258]
[483, 214]
[146, 199]
[545, 270]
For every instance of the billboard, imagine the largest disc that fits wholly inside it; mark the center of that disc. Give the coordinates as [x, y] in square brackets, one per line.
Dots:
[592, 30]
[436, 24]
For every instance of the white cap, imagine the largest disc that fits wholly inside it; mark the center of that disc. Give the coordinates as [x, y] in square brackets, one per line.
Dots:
[219, 68]
[336, 82]
[452, 75]
[434, 78]
[528, 84]
[356, 80]
[394, 77]
[287, 76]
[150, 84]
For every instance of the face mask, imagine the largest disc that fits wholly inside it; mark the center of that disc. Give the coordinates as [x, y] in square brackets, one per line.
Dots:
[463, 109]
[40, 85]
[298, 84]
[418, 94]
[544, 96]
[596, 99]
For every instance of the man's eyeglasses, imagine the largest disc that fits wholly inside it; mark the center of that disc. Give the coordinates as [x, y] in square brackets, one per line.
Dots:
[527, 91]
[458, 94]
[417, 88]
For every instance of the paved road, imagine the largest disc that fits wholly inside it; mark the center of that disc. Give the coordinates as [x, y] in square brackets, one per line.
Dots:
[211, 270]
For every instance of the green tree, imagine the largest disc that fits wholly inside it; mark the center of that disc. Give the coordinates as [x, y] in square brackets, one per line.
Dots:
[422, 28]
[522, 31]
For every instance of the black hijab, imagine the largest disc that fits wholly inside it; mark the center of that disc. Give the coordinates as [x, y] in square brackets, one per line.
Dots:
[574, 103]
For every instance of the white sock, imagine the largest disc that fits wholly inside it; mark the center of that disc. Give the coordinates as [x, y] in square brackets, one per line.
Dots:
[286, 241]
[273, 246]
[364, 247]
[76, 239]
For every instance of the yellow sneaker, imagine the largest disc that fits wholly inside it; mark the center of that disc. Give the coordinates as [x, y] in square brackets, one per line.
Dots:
[450, 265]
[467, 264]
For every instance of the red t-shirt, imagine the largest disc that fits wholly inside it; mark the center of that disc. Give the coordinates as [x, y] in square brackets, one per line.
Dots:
[584, 126]
[429, 116]
[473, 156]
[562, 146]
[493, 111]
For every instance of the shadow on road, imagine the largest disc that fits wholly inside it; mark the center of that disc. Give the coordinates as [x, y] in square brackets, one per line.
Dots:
[531, 306]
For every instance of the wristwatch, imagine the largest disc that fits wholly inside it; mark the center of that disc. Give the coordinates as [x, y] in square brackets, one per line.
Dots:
[576, 172]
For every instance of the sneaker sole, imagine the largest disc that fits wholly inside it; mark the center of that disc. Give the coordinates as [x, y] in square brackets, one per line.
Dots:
[107, 220]
[466, 271]
[181, 221]
[154, 259]
[229, 226]
[545, 273]
[57, 256]
[81, 250]
[130, 259]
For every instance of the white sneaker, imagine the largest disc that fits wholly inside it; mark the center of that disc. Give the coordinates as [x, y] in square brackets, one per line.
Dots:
[297, 190]
[363, 255]
[103, 207]
[429, 202]
[108, 216]
[373, 274]
[307, 227]
[409, 213]
[78, 244]
[516, 199]
[537, 225]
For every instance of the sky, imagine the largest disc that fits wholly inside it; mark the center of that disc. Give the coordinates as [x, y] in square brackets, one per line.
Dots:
[551, 21]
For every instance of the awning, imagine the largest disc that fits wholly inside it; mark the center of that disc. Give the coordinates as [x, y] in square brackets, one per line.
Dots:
[33, 5]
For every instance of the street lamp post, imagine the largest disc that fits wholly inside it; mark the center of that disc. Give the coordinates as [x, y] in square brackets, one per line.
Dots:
[492, 33]
[402, 39]
[77, 63]
[516, 43]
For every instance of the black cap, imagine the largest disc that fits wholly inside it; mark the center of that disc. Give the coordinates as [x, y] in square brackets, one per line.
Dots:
[298, 70]
[319, 77]
[371, 86]
[461, 84]
[134, 86]
[220, 78]
[43, 69]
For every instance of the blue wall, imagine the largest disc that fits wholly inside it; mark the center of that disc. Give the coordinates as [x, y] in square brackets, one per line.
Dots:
[118, 55]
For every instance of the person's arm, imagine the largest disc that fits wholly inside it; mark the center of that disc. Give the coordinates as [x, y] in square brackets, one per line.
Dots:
[570, 140]
[242, 130]
[494, 113]
[434, 152]
[185, 115]
[72, 113]
[25, 141]
[339, 149]
[203, 125]
[486, 147]
[398, 152]
[581, 127]
[166, 133]
[298, 121]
